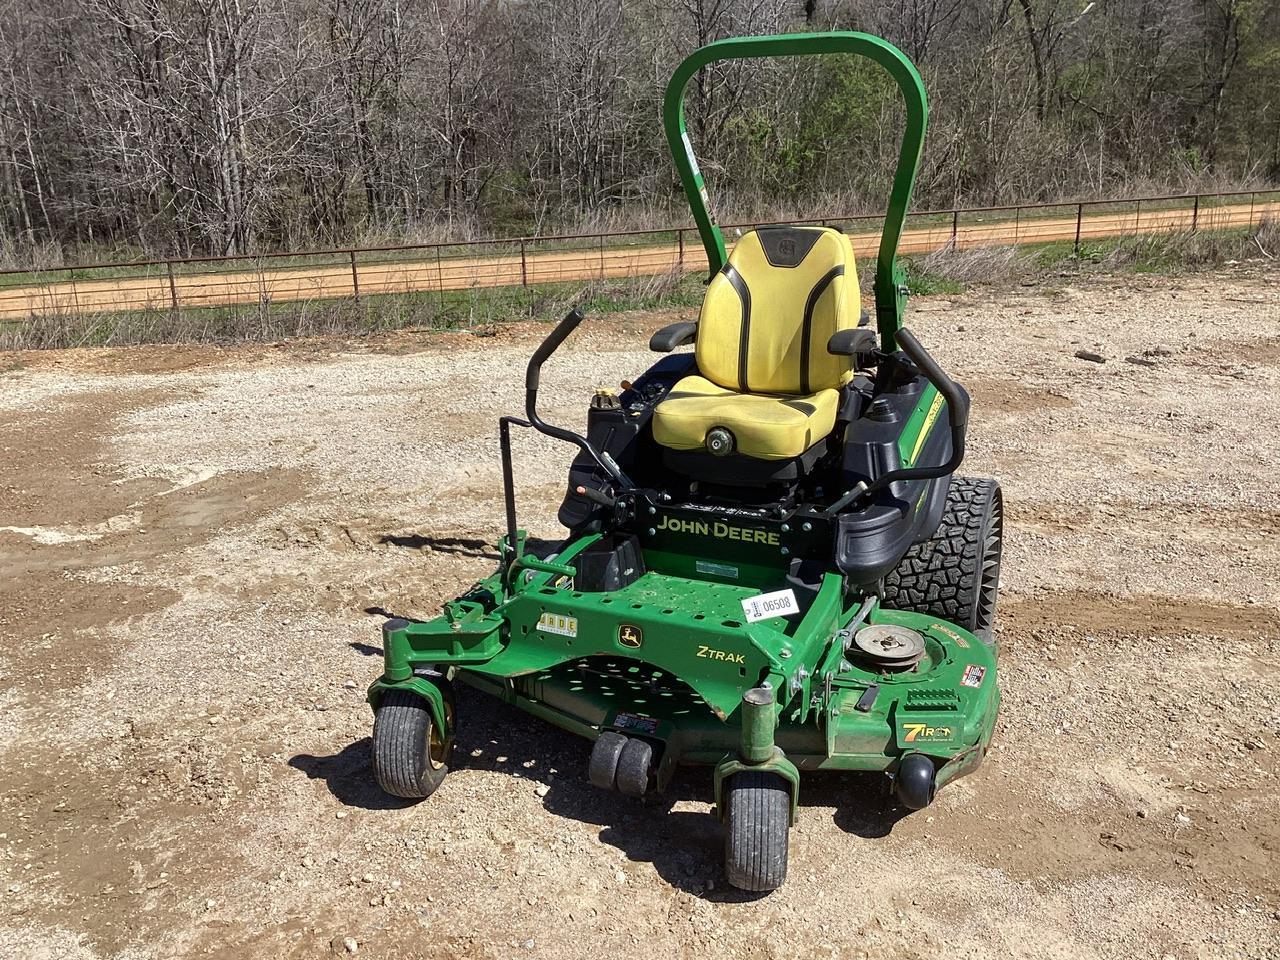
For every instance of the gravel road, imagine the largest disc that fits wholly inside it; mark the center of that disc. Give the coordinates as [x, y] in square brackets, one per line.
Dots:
[198, 546]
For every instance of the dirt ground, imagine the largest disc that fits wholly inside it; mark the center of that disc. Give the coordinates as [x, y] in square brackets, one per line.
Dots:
[198, 546]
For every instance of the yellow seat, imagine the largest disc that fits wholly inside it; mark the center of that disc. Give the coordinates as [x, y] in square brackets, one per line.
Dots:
[764, 370]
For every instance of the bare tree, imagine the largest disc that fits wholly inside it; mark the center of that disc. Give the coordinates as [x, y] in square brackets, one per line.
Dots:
[238, 125]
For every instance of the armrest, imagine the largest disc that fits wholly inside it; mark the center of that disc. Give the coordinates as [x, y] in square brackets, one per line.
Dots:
[672, 336]
[852, 343]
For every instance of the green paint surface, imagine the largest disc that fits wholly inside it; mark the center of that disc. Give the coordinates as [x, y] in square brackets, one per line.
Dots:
[920, 424]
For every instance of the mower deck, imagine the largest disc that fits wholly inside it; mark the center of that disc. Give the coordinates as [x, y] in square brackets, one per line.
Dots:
[668, 659]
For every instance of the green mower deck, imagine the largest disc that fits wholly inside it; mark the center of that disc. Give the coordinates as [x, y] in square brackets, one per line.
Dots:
[670, 659]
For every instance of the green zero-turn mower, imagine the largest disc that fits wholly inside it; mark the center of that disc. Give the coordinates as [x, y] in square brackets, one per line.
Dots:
[771, 564]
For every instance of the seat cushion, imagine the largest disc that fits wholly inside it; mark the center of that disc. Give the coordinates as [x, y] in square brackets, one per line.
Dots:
[767, 427]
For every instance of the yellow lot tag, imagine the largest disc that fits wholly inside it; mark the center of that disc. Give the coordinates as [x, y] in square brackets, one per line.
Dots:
[558, 623]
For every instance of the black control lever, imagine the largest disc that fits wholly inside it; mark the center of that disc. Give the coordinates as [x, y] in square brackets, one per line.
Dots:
[531, 376]
[596, 496]
[957, 414]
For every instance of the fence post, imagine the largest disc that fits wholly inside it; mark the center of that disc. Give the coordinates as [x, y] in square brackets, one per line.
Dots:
[264, 299]
[955, 226]
[1195, 214]
[602, 257]
[355, 278]
[524, 267]
[173, 288]
[680, 255]
[1079, 220]
[439, 280]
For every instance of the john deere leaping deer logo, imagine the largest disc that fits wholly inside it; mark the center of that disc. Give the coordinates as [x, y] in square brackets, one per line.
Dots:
[630, 636]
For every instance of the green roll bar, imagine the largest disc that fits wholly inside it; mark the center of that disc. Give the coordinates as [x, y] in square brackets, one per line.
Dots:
[890, 285]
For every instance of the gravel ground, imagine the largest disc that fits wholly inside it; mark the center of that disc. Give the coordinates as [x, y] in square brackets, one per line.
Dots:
[199, 544]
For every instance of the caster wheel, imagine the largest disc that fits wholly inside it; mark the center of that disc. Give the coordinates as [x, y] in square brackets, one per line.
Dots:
[633, 768]
[410, 756]
[602, 769]
[757, 828]
[915, 782]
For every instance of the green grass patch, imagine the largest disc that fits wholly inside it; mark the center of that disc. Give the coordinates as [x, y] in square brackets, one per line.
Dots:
[684, 291]
[924, 281]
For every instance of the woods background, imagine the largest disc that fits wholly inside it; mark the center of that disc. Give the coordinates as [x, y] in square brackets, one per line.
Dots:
[230, 126]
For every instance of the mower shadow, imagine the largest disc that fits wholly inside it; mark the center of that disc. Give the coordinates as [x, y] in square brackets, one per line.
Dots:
[863, 805]
[685, 847]
[349, 777]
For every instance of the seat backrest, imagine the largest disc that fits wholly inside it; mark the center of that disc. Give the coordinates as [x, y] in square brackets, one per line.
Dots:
[769, 313]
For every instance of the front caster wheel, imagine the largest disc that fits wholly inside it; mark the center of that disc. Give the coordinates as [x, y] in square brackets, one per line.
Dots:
[410, 756]
[633, 768]
[602, 768]
[757, 824]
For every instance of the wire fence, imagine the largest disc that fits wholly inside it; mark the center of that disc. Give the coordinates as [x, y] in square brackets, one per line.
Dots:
[452, 283]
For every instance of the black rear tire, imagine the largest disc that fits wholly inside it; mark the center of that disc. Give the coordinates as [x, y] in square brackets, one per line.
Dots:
[757, 827]
[411, 757]
[955, 574]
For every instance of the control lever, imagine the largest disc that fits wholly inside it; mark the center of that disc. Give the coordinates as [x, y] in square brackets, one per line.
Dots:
[531, 378]
[596, 496]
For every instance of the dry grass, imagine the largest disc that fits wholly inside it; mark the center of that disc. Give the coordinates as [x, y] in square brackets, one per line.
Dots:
[1192, 249]
[945, 271]
[977, 264]
[477, 309]
[1170, 253]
